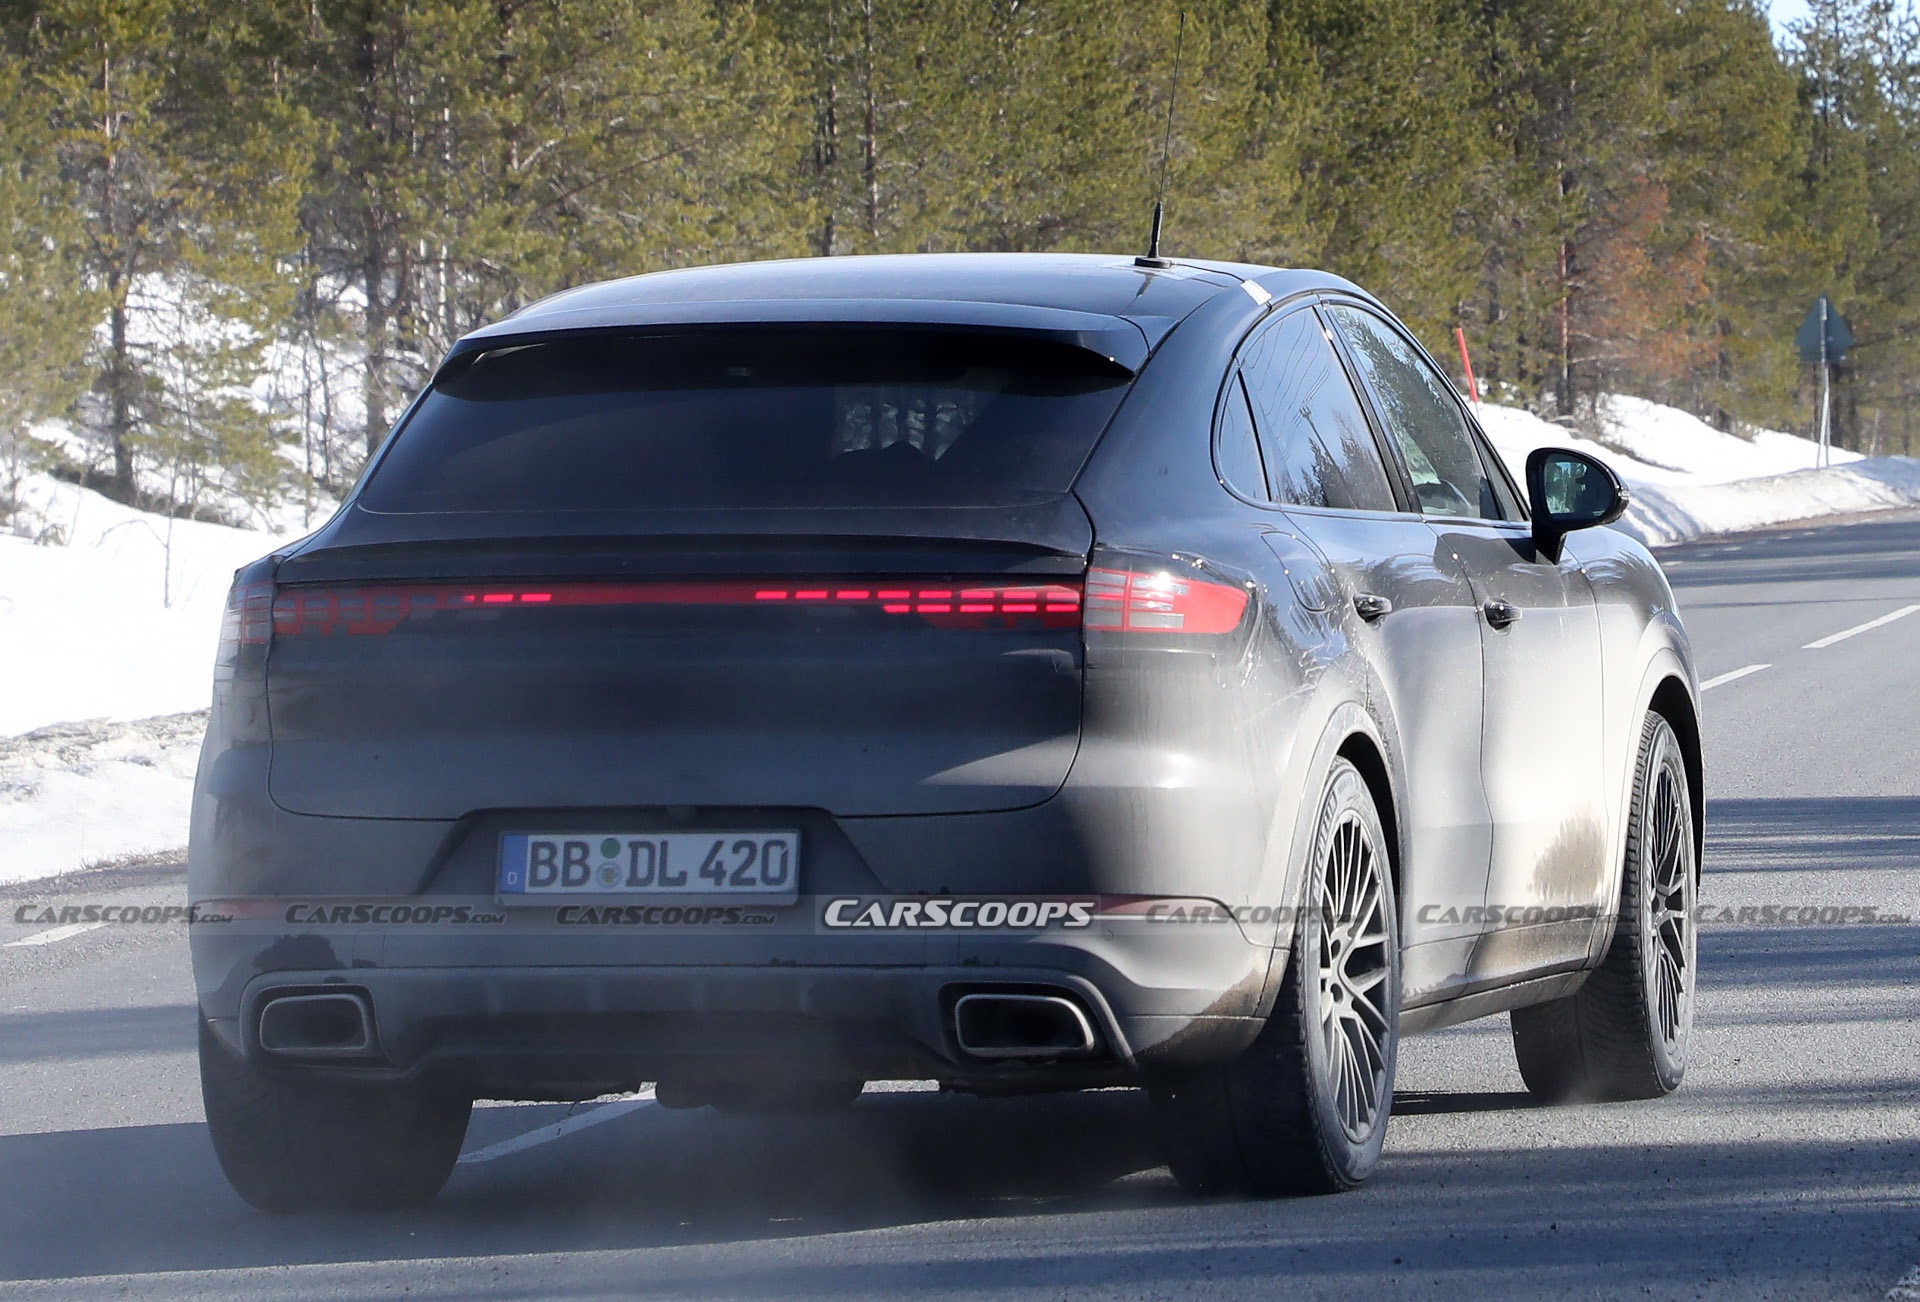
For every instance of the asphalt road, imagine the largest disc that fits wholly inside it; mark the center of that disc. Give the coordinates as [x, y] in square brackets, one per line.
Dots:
[1788, 1164]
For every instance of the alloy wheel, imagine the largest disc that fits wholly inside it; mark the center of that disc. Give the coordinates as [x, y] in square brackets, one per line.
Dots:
[1670, 918]
[1353, 972]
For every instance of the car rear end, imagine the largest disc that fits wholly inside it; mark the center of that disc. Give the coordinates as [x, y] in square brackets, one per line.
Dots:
[702, 701]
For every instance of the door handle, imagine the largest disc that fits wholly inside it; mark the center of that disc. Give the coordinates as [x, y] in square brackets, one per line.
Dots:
[1370, 607]
[1500, 613]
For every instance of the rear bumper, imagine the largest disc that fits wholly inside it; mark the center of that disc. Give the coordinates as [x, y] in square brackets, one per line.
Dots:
[1178, 996]
[517, 1013]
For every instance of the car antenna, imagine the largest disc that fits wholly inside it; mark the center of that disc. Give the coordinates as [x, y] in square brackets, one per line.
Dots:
[1153, 258]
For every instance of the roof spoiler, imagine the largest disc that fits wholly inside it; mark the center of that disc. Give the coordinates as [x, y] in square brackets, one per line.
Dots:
[1115, 340]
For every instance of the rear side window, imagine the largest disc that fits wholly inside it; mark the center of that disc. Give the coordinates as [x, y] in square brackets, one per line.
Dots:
[1239, 456]
[797, 418]
[1419, 409]
[1318, 447]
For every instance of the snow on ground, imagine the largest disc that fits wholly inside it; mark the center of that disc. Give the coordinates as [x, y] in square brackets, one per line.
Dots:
[1660, 515]
[77, 794]
[112, 619]
[120, 620]
[1647, 443]
[1687, 479]
[113, 616]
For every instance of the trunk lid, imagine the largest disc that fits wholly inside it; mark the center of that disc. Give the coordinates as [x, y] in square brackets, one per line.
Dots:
[482, 629]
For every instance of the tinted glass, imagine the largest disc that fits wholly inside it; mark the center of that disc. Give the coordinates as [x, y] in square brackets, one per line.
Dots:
[1512, 506]
[1240, 464]
[1318, 448]
[1419, 410]
[1576, 490]
[819, 418]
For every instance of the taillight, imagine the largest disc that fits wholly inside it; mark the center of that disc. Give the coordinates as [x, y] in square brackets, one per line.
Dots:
[1161, 601]
[249, 615]
[240, 665]
[372, 610]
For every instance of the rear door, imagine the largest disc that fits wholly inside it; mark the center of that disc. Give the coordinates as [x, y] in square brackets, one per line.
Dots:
[797, 568]
[1408, 611]
[1540, 635]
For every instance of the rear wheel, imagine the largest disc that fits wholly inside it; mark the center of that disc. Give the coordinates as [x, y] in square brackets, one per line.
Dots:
[293, 1146]
[1304, 1110]
[1627, 1032]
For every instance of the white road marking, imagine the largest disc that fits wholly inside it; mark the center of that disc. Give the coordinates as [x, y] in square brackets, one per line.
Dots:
[1908, 1289]
[58, 933]
[1845, 633]
[1734, 676]
[547, 1134]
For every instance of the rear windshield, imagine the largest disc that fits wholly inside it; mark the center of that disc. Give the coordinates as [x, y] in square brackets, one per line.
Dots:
[820, 418]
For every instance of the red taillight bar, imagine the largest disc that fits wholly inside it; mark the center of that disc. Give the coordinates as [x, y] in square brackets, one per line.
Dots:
[1128, 601]
[1123, 601]
[320, 610]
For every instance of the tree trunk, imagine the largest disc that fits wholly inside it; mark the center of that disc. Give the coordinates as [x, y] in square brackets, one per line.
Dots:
[120, 398]
[1564, 391]
[871, 123]
[826, 147]
[119, 277]
[370, 56]
[373, 271]
[1723, 373]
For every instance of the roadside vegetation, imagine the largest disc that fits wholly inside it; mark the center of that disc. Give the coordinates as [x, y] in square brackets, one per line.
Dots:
[235, 234]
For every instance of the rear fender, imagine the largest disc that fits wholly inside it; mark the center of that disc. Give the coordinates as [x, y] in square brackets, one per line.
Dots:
[1664, 664]
[1297, 821]
[1643, 645]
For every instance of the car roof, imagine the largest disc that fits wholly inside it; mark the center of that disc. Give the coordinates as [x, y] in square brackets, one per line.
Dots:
[1065, 294]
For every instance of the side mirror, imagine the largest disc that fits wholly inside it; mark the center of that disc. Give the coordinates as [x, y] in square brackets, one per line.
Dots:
[1569, 490]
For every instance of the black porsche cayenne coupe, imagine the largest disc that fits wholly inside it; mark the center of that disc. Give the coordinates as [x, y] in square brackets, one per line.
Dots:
[1017, 672]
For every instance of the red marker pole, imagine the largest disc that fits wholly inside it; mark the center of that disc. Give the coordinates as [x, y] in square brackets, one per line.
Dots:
[1473, 385]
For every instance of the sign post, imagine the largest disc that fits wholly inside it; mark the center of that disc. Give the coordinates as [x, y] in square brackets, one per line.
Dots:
[1826, 385]
[1466, 364]
[1824, 338]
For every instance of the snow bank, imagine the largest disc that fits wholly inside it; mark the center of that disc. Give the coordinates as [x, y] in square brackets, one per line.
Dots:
[1661, 515]
[1689, 480]
[114, 615]
[1647, 443]
[79, 794]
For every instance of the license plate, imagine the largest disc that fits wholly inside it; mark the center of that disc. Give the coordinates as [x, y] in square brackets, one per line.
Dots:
[763, 866]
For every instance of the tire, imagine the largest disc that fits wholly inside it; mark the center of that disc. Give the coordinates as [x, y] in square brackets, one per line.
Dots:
[1304, 1109]
[1627, 1032]
[292, 1146]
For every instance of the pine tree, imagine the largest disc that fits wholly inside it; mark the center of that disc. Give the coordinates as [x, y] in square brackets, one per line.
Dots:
[1633, 195]
[1391, 156]
[46, 311]
[1859, 66]
[1727, 155]
[1571, 97]
[185, 192]
[484, 155]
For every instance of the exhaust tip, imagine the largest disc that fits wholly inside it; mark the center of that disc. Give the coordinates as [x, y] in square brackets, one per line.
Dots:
[989, 1025]
[317, 1026]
